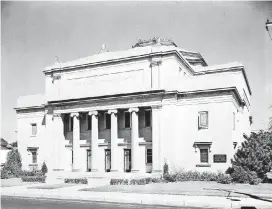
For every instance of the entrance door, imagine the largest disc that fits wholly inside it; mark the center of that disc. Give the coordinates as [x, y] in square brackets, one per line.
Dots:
[127, 160]
[89, 160]
[107, 160]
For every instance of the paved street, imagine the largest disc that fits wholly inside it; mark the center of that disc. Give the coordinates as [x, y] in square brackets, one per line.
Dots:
[29, 203]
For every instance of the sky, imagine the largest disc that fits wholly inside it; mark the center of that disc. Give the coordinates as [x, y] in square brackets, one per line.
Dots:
[33, 33]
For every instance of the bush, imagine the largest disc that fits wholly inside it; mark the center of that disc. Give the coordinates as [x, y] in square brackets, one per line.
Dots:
[195, 176]
[141, 181]
[44, 168]
[13, 164]
[224, 179]
[243, 175]
[253, 158]
[76, 181]
[119, 182]
[34, 179]
[32, 173]
[165, 168]
[4, 173]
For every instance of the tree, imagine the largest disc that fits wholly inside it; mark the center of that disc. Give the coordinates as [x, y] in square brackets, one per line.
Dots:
[13, 165]
[44, 168]
[254, 157]
[14, 144]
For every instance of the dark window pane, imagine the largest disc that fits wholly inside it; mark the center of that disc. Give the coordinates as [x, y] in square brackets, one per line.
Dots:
[127, 119]
[149, 156]
[34, 157]
[89, 122]
[72, 124]
[147, 118]
[204, 156]
[108, 121]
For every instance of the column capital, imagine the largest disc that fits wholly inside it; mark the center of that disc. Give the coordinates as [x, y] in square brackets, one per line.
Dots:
[93, 113]
[133, 109]
[112, 111]
[74, 114]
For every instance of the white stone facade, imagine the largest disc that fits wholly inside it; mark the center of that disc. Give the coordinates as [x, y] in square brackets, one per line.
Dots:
[133, 110]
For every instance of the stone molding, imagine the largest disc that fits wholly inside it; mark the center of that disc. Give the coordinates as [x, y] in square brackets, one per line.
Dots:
[76, 114]
[112, 111]
[133, 109]
[95, 113]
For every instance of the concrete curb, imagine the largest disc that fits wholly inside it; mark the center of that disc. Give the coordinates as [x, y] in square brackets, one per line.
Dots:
[165, 200]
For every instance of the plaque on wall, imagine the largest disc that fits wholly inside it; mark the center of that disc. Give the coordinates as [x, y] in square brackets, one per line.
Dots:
[219, 158]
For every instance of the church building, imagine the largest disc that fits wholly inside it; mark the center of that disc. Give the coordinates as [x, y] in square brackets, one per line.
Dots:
[134, 110]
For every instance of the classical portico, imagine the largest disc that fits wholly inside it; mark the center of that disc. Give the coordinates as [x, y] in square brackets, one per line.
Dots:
[125, 139]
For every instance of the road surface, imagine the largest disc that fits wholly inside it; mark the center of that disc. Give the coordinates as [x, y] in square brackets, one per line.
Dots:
[30, 203]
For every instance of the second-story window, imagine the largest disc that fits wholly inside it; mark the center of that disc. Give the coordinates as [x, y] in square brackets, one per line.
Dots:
[147, 118]
[203, 120]
[127, 119]
[34, 129]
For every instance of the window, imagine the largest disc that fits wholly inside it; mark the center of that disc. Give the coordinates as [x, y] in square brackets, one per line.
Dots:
[203, 120]
[34, 156]
[127, 119]
[89, 121]
[204, 155]
[233, 120]
[147, 118]
[108, 121]
[34, 129]
[149, 156]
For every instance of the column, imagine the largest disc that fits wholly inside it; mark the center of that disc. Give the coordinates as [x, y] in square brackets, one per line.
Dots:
[94, 142]
[134, 139]
[156, 148]
[58, 139]
[76, 141]
[114, 143]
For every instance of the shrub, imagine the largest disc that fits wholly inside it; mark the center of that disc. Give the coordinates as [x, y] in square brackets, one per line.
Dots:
[141, 181]
[119, 182]
[76, 181]
[33, 179]
[32, 173]
[255, 155]
[44, 168]
[243, 175]
[13, 164]
[165, 168]
[4, 173]
[224, 179]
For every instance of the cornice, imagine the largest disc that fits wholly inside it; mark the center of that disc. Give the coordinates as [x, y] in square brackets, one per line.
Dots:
[107, 97]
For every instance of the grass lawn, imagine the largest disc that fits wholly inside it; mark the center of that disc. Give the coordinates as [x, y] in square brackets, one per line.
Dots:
[51, 186]
[190, 188]
[14, 182]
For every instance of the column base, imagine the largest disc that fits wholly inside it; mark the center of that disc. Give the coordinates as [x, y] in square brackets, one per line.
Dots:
[76, 170]
[114, 170]
[134, 171]
[94, 170]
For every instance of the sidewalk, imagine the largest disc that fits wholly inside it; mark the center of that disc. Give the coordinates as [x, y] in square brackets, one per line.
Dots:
[72, 193]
